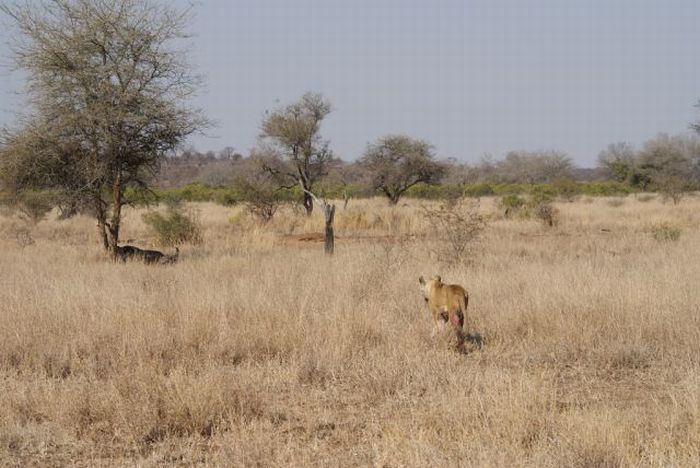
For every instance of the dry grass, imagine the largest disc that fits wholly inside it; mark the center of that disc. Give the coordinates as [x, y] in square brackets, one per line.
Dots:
[257, 350]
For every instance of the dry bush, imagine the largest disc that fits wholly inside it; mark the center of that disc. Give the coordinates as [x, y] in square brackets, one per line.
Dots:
[615, 202]
[263, 208]
[665, 232]
[175, 227]
[355, 219]
[458, 225]
[261, 197]
[645, 197]
[24, 238]
[671, 187]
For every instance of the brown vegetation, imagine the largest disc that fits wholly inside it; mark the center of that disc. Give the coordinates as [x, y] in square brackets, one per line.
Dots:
[252, 351]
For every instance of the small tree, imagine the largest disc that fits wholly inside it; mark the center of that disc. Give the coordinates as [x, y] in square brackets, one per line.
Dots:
[260, 195]
[668, 164]
[398, 162]
[107, 89]
[292, 149]
[619, 160]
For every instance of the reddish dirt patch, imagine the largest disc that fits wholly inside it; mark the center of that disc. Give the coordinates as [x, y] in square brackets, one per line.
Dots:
[317, 237]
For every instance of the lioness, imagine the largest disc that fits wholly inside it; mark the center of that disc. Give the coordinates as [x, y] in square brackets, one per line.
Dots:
[446, 302]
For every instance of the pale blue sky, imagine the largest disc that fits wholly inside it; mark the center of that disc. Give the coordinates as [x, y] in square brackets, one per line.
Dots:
[471, 76]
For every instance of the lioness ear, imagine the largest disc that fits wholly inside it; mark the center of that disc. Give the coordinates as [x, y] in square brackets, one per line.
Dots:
[421, 280]
[437, 277]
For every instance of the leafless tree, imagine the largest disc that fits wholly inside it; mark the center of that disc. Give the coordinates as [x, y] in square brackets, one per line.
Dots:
[529, 167]
[396, 163]
[457, 225]
[108, 85]
[229, 153]
[535, 167]
[670, 164]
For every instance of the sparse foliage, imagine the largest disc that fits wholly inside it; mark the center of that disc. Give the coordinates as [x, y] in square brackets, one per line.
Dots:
[458, 226]
[292, 149]
[566, 189]
[670, 164]
[666, 164]
[619, 160]
[34, 205]
[260, 195]
[529, 167]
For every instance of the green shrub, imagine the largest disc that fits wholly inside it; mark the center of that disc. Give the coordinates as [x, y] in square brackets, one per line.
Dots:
[566, 189]
[229, 196]
[511, 204]
[434, 191]
[175, 227]
[138, 196]
[607, 188]
[512, 201]
[509, 189]
[478, 190]
[542, 193]
[666, 232]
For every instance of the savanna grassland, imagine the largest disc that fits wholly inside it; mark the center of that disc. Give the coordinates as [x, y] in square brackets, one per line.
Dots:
[257, 350]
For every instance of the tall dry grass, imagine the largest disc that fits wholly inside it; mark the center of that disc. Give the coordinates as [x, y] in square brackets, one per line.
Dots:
[257, 350]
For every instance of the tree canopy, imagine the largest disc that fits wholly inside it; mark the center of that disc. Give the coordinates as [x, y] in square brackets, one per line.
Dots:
[108, 84]
[291, 146]
[396, 163]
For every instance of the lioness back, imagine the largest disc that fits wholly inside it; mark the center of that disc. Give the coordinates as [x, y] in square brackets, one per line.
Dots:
[449, 299]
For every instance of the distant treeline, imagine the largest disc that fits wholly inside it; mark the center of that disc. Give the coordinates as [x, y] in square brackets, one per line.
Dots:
[231, 195]
[666, 164]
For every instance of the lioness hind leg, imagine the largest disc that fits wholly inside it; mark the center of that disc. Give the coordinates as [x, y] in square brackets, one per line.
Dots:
[457, 319]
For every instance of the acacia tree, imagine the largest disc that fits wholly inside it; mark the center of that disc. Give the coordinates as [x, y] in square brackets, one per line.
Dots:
[291, 145]
[108, 85]
[396, 163]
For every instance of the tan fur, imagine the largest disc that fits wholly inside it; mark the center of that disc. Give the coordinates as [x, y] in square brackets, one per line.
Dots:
[447, 303]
